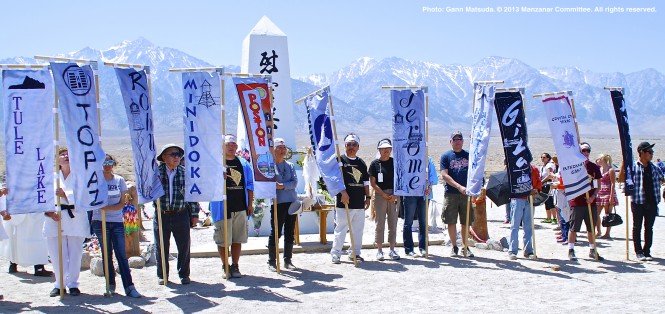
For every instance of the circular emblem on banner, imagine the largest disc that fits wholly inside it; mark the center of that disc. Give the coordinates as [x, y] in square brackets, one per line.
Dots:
[323, 134]
[78, 82]
[262, 92]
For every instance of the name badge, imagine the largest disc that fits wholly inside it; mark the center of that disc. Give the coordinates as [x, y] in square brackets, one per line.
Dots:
[380, 177]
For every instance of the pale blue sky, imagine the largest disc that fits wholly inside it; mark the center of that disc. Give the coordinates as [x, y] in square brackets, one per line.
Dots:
[326, 35]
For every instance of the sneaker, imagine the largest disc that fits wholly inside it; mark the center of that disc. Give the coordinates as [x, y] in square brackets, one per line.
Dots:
[530, 256]
[648, 257]
[73, 292]
[185, 281]
[42, 272]
[592, 254]
[289, 265]
[512, 256]
[393, 255]
[423, 252]
[411, 254]
[546, 221]
[54, 293]
[571, 255]
[379, 256]
[272, 266]
[560, 240]
[554, 222]
[112, 289]
[13, 268]
[358, 258]
[467, 251]
[132, 293]
[641, 257]
[506, 222]
[454, 252]
[160, 281]
[235, 271]
[335, 259]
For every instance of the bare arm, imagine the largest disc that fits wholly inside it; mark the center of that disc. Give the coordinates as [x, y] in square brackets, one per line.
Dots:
[448, 179]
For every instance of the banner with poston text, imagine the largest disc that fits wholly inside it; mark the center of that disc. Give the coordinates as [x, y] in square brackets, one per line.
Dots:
[410, 177]
[136, 97]
[323, 141]
[203, 136]
[481, 128]
[254, 95]
[512, 123]
[77, 97]
[621, 114]
[29, 135]
[559, 114]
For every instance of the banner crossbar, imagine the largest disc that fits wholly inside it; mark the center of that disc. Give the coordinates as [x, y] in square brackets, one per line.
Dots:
[23, 66]
[266, 76]
[488, 82]
[511, 89]
[92, 63]
[424, 88]
[128, 65]
[613, 88]
[210, 69]
[312, 93]
[566, 92]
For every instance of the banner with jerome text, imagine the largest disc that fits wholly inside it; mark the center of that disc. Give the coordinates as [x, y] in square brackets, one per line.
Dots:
[559, 114]
[409, 142]
[254, 95]
[136, 97]
[621, 114]
[323, 141]
[203, 136]
[481, 128]
[29, 135]
[512, 123]
[77, 97]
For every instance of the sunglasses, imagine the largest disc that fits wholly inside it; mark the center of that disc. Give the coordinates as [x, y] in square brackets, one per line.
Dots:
[175, 154]
[649, 151]
[109, 162]
[586, 150]
[352, 144]
[457, 139]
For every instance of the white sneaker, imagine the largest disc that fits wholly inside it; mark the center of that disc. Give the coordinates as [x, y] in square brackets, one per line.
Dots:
[423, 252]
[393, 255]
[379, 256]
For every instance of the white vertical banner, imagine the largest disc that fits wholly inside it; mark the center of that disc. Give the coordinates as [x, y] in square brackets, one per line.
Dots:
[559, 113]
[29, 135]
[136, 97]
[77, 97]
[265, 51]
[483, 112]
[408, 126]
[203, 136]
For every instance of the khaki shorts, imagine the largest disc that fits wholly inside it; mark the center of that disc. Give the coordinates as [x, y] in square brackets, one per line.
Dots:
[237, 229]
[454, 206]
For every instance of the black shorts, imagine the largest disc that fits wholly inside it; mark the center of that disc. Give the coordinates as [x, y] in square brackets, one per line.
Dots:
[581, 213]
[549, 203]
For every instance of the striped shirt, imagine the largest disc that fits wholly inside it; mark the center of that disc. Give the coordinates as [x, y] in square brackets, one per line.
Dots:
[639, 196]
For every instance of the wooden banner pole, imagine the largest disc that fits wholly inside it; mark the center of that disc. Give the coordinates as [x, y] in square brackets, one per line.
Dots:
[339, 161]
[225, 206]
[275, 223]
[429, 184]
[310, 94]
[532, 208]
[58, 214]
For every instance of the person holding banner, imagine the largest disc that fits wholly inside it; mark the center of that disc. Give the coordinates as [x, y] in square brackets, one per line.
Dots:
[239, 178]
[355, 195]
[287, 181]
[381, 177]
[520, 213]
[177, 215]
[607, 196]
[547, 172]
[414, 207]
[75, 228]
[644, 201]
[115, 229]
[580, 207]
[454, 165]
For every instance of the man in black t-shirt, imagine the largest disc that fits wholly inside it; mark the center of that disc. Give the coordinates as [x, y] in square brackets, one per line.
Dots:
[356, 196]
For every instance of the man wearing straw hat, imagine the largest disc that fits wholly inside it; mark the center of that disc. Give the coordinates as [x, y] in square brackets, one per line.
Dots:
[580, 207]
[454, 165]
[644, 202]
[239, 178]
[356, 196]
[177, 215]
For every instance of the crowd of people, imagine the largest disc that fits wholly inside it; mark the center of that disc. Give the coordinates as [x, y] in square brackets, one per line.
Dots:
[362, 185]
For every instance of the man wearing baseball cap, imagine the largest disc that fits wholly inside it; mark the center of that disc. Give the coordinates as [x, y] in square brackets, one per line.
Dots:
[645, 199]
[454, 165]
[240, 195]
[177, 215]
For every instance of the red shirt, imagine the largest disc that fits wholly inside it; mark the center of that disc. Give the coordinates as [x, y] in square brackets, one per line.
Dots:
[535, 180]
[594, 171]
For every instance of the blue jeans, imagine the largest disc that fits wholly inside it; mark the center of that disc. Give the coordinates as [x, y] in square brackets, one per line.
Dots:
[115, 241]
[520, 212]
[414, 205]
[564, 225]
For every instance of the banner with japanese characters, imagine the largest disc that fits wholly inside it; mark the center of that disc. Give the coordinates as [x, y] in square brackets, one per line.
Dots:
[255, 106]
[512, 123]
[136, 97]
[29, 135]
[408, 124]
[559, 114]
[481, 128]
[77, 95]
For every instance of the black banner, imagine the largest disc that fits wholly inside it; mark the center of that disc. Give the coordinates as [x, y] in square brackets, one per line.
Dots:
[512, 123]
[624, 136]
